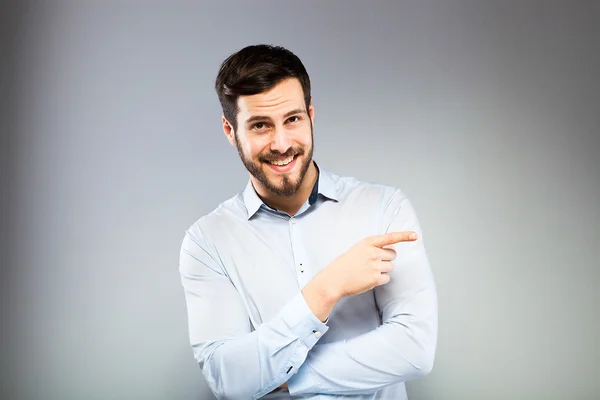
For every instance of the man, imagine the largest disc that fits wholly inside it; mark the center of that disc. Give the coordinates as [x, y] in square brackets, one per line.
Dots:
[305, 284]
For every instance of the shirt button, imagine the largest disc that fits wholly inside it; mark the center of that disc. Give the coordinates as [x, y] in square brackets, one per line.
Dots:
[317, 334]
[293, 220]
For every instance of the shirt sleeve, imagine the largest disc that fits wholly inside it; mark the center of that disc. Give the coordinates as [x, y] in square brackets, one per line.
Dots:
[236, 361]
[403, 347]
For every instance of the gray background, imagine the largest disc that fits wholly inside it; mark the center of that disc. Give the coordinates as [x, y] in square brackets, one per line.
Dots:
[486, 114]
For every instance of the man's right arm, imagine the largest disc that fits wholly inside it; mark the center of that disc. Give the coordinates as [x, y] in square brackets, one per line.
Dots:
[239, 363]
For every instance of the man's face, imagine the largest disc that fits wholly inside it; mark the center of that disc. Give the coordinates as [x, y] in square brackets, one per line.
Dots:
[274, 137]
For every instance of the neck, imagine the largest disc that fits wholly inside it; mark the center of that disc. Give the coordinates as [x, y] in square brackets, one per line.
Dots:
[293, 203]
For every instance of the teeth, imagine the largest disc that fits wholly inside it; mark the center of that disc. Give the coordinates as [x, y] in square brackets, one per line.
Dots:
[283, 162]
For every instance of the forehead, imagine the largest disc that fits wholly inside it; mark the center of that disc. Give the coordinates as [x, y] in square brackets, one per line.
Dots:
[286, 95]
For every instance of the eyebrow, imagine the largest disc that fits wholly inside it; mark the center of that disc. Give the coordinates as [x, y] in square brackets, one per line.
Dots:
[265, 118]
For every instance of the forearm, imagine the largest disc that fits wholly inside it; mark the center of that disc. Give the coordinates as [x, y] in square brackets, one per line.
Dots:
[401, 349]
[254, 364]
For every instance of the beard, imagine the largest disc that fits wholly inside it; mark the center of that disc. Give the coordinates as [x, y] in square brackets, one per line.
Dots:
[287, 185]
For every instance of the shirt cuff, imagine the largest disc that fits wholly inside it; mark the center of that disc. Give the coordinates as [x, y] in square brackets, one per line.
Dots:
[302, 322]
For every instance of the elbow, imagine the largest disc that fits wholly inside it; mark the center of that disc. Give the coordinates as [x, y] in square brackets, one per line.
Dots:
[417, 357]
[227, 394]
[416, 365]
[226, 381]
[215, 376]
[223, 390]
[425, 364]
[424, 335]
[425, 356]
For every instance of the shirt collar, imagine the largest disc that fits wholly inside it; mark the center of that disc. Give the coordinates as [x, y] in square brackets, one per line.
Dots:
[324, 185]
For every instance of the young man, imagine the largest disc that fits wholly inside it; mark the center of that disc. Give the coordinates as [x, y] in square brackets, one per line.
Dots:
[305, 283]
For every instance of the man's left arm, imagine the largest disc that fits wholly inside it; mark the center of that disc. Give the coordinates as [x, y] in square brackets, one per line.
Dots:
[403, 347]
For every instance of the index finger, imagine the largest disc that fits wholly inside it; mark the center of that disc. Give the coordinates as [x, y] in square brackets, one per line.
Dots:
[392, 237]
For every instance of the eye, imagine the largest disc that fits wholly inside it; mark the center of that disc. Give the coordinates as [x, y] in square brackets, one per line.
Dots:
[294, 119]
[259, 126]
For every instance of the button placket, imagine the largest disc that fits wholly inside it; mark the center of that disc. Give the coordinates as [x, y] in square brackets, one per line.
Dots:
[297, 248]
[293, 237]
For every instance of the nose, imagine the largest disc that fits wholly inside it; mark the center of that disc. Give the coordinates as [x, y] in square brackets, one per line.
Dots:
[281, 141]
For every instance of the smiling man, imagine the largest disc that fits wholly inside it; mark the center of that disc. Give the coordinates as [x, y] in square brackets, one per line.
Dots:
[278, 158]
[305, 284]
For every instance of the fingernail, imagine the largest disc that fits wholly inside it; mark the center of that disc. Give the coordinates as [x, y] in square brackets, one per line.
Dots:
[412, 236]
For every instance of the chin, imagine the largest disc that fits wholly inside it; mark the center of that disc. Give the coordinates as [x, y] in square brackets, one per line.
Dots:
[285, 187]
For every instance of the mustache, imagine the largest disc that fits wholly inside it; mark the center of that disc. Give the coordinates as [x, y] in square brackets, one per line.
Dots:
[277, 155]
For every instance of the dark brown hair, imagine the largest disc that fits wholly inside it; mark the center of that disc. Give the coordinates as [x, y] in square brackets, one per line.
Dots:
[256, 69]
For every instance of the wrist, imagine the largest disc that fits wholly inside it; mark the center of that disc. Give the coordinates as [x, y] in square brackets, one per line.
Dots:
[330, 292]
[321, 296]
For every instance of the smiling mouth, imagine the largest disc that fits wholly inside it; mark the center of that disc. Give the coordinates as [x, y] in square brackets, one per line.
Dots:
[281, 163]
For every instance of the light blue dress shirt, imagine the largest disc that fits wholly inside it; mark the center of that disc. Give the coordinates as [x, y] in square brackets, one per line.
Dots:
[243, 267]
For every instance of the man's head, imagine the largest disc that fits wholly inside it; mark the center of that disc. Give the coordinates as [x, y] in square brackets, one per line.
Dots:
[267, 114]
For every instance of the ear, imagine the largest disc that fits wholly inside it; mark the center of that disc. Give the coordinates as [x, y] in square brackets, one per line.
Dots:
[228, 130]
[311, 111]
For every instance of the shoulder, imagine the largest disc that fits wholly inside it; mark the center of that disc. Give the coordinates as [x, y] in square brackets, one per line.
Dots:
[378, 194]
[221, 219]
